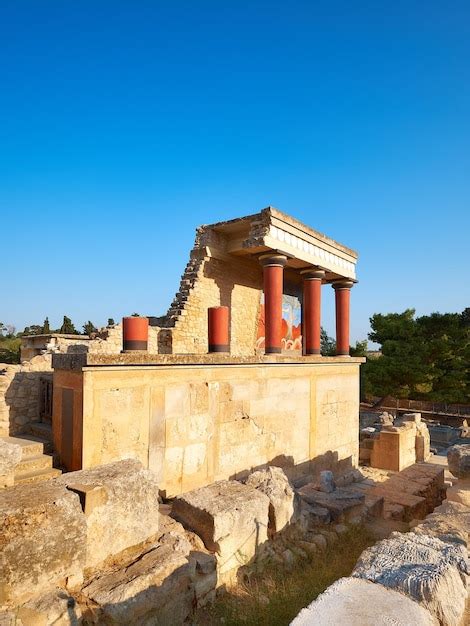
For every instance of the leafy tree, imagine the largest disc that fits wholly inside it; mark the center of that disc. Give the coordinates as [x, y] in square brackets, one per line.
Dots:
[46, 329]
[34, 329]
[67, 327]
[7, 330]
[89, 328]
[327, 344]
[360, 349]
[423, 358]
[111, 322]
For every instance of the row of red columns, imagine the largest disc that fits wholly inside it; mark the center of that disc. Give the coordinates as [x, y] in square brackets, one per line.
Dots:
[273, 274]
[273, 270]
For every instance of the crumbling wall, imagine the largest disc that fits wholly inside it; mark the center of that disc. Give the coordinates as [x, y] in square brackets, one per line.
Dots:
[20, 393]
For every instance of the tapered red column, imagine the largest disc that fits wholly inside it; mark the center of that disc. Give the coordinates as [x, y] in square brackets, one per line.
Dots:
[342, 297]
[273, 271]
[312, 281]
[218, 325]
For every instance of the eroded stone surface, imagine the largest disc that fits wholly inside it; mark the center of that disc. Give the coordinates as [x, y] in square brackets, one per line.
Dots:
[120, 501]
[430, 571]
[57, 608]
[460, 492]
[358, 602]
[231, 518]
[42, 540]
[273, 482]
[151, 590]
[450, 522]
[458, 458]
[10, 456]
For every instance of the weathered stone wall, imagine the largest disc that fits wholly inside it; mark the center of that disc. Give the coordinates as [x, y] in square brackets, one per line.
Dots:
[20, 393]
[194, 425]
[220, 280]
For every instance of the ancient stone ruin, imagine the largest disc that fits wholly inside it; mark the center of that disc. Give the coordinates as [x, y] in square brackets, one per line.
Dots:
[147, 468]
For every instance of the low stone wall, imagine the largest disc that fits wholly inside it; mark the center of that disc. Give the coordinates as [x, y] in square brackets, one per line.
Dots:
[194, 424]
[20, 388]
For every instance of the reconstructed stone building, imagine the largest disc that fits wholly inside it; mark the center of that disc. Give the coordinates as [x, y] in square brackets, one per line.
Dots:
[194, 417]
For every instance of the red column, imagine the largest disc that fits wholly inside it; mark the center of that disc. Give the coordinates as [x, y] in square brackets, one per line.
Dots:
[218, 329]
[312, 281]
[273, 270]
[135, 333]
[342, 297]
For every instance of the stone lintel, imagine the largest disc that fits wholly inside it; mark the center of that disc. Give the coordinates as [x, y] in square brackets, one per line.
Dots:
[144, 359]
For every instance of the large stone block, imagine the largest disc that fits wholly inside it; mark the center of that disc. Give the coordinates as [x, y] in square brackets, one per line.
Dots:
[273, 482]
[10, 456]
[120, 501]
[42, 540]
[358, 602]
[231, 518]
[450, 522]
[458, 458]
[155, 589]
[460, 492]
[428, 570]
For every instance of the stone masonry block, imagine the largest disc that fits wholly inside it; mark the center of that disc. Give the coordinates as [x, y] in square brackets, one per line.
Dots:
[120, 501]
[231, 519]
[42, 542]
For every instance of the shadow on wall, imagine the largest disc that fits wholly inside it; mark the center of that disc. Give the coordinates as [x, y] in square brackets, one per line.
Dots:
[304, 472]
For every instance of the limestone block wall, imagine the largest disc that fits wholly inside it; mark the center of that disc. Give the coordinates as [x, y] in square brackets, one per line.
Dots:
[20, 387]
[229, 281]
[193, 425]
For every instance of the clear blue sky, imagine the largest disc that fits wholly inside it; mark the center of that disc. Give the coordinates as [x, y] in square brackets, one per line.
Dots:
[124, 125]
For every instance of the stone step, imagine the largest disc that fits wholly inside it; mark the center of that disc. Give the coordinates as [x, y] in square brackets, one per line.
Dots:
[413, 506]
[40, 429]
[36, 476]
[31, 464]
[29, 447]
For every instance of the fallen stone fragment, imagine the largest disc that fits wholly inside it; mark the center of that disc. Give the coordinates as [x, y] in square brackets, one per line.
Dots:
[339, 503]
[120, 502]
[460, 492]
[449, 522]
[458, 458]
[326, 482]
[231, 518]
[428, 570]
[355, 602]
[42, 541]
[154, 589]
[273, 482]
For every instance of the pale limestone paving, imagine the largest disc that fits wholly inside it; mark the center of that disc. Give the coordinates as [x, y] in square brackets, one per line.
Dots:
[361, 603]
